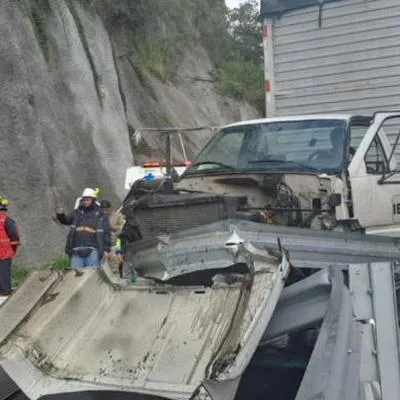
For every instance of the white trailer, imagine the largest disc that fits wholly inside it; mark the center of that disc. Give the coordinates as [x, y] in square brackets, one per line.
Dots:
[340, 56]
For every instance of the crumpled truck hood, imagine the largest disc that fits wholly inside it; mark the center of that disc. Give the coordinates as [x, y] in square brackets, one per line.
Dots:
[68, 333]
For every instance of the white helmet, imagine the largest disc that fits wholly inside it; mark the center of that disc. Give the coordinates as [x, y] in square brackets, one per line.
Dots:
[88, 192]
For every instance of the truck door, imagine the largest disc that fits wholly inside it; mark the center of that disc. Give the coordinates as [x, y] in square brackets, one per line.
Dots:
[375, 177]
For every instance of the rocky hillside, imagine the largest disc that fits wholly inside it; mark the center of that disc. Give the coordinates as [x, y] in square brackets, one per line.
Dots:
[70, 97]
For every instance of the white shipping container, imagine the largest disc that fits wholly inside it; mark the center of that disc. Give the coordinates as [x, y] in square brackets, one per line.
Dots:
[341, 56]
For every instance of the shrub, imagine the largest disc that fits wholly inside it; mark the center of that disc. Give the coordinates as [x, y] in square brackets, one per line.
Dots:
[21, 273]
[242, 80]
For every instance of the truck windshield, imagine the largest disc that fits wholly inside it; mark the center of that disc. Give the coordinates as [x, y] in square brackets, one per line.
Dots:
[304, 145]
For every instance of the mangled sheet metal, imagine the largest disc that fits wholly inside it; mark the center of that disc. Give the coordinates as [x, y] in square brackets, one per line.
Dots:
[301, 305]
[187, 251]
[82, 333]
[333, 371]
[343, 364]
[356, 353]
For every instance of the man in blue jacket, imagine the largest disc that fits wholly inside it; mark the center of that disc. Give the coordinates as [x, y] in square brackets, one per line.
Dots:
[89, 237]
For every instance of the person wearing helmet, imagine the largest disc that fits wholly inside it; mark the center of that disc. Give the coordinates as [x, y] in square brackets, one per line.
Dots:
[89, 236]
[9, 242]
[78, 201]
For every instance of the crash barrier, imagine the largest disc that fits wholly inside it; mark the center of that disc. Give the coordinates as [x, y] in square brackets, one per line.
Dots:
[306, 248]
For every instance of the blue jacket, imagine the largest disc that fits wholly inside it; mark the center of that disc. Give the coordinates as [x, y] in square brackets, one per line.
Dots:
[88, 227]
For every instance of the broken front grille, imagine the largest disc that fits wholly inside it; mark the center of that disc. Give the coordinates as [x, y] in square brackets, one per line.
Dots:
[163, 214]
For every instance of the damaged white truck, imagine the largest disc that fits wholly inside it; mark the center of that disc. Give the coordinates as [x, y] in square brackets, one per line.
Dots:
[323, 171]
[319, 171]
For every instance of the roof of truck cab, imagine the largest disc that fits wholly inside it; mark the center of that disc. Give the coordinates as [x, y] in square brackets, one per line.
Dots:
[296, 118]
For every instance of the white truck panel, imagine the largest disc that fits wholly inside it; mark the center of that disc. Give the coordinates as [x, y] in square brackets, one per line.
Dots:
[349, 64]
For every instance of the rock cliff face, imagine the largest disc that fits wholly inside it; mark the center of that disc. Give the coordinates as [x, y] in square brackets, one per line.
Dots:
[69, 100]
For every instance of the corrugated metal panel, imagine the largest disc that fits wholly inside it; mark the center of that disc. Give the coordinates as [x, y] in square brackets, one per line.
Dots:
[349, 64]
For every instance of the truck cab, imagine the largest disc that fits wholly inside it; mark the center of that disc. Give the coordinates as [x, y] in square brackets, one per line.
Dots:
[323, 171]
[374, 176]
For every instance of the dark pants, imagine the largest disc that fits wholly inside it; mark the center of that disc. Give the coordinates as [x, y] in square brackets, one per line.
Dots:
[5, 277]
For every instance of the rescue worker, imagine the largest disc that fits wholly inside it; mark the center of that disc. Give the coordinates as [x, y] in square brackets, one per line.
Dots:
[105, 205]
[89, 237]
[116, 259]
[78, 200]
[115, 217]
[9, 242]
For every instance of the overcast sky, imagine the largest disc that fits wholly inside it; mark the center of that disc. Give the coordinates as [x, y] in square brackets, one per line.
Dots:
[233, 3]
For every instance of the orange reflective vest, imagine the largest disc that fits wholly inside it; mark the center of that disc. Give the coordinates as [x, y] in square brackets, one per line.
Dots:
[6, 248]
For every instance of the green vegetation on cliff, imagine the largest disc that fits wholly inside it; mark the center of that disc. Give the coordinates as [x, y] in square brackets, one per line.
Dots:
[240, 74]
[156, 35]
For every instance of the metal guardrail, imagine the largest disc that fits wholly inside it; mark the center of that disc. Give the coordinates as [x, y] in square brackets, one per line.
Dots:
[307, 249]
[385, 316]
[356, 355]
[333, 370]
[301, 305]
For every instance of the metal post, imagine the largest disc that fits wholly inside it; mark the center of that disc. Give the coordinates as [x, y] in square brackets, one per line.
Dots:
[269, 85]
[387, 328]
[182, 146]
[169, 154]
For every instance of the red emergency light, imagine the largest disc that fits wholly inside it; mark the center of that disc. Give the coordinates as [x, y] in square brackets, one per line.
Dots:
[154, 164]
